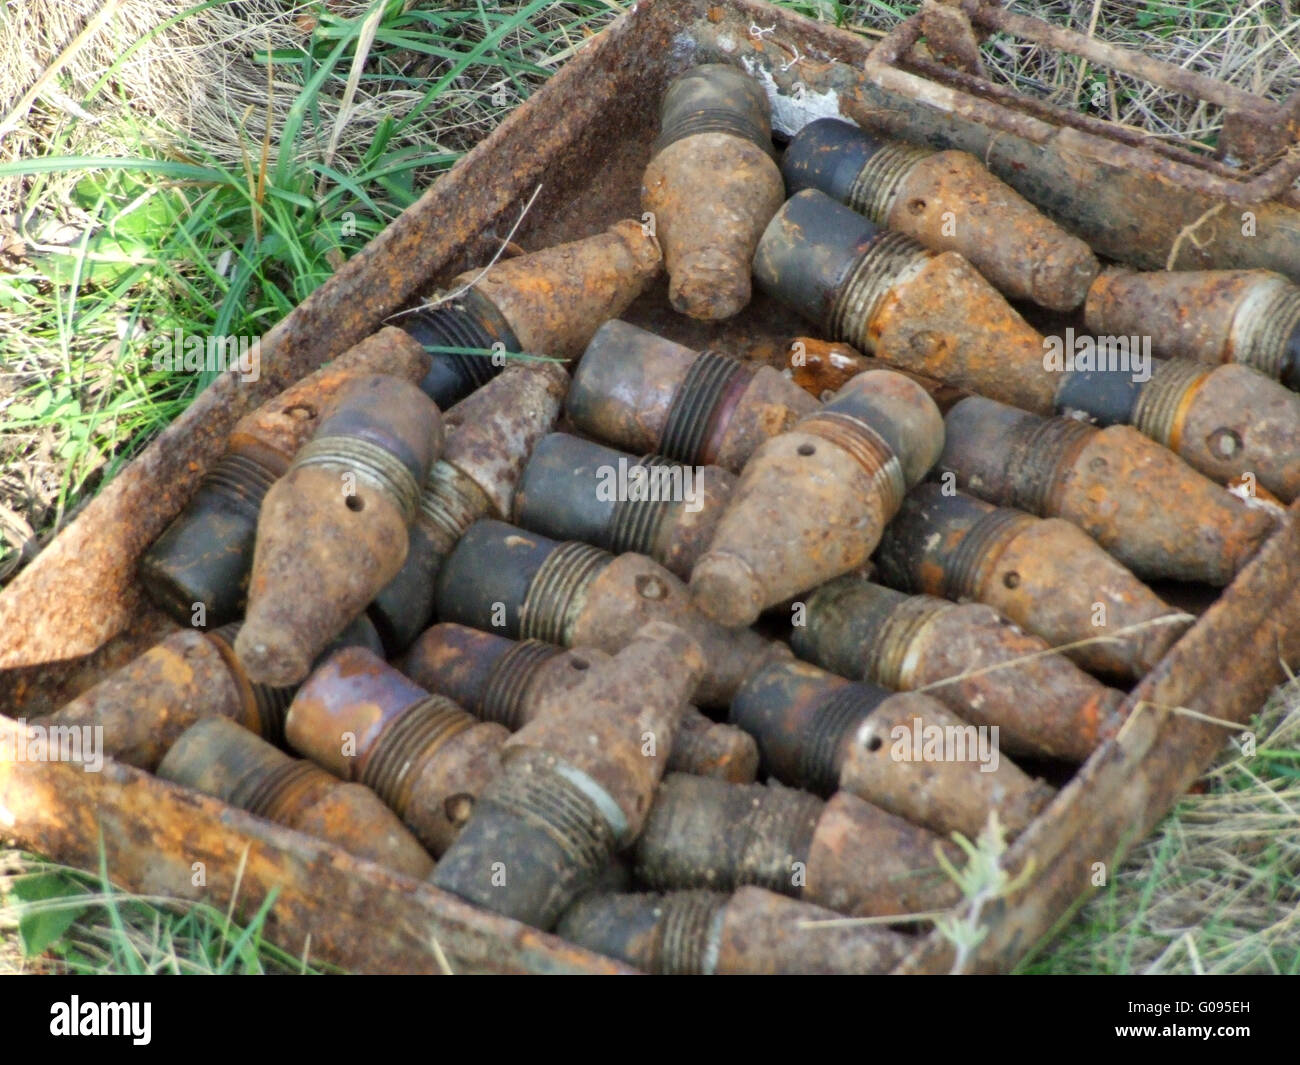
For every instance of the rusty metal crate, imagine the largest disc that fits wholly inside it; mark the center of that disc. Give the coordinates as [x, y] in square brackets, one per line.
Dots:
[77, 611]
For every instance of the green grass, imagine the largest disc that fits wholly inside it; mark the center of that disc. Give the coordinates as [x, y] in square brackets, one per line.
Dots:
[166, 231]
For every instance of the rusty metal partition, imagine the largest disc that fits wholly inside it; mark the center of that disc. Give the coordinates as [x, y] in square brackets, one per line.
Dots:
[77, 611]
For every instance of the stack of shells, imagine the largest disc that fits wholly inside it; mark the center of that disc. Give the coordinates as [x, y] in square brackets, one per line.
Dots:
[676, 653]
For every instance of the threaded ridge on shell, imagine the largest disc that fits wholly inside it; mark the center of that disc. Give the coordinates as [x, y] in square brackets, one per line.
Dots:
[1263, 337]
[240, 480]
[453, 327]
[555, 595]
[557, 806]
[892, 258]
[961, 577]
[1161, 399]
[688, 933]
[270, 704]
[874, 189]
[634, 524]
[370, 463]
[887, 660]
[839, 715]
[271, 794]
[777, 832]
[868, 449]
[711, 120]
[503, 695]
[686, 427]
[450, 504]
[1036, 456]
[407, 744]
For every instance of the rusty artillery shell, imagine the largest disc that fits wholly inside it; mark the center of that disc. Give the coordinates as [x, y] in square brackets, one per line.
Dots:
[974, 661]
[1247, 316]
[712, 186]
[526, 586]
[575, 489]
[576, 782]
[184, 678]
[1045, 574]
[545, 303]
[812, 502]
[706, 933]
[425, 756]
[948, 201]
[844, 854]
[333, 530]
[881, 291]
[1139, 500]
[644, 393]
[1224, 421]
[821, 732]
[503, 680]
[490, 436]
[218, 757]
[205, 554]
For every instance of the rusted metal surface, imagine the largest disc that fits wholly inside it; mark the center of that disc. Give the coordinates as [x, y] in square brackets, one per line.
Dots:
[222, 758]
[575, 489]
[1045, 574]
[753, 932]
[947, 201]
[425, 756]
[844, 854]
[1130, 197]
[823, 733]
[1229, 422]
[1248, 316]
[970, 658]
[332, 532]
[812, 502]
[576, 782]
[711, 187]
[577, 595]
[1139, 500]
[1223, 668]
[880, 290]
[644, 392]
[329, 906]
[77, 613]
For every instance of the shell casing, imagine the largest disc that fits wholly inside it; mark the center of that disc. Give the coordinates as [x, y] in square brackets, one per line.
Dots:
[879, 290]
[490, 436]
[503, 680]
[705, 933]
[811, 503]
[205, 554]
[333, 530]
[186, 677]
[1045, 574]
[575, 489]
[712, 186]
[644, 393]
[844, 854]
[947, 201]
[218, 757]
[503, 579]
[981, 666]
[821, 732]
[1139, 500]
[1246, 316]
[545, 303]
[576, 782]
[426, 757]
[1226, 422]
